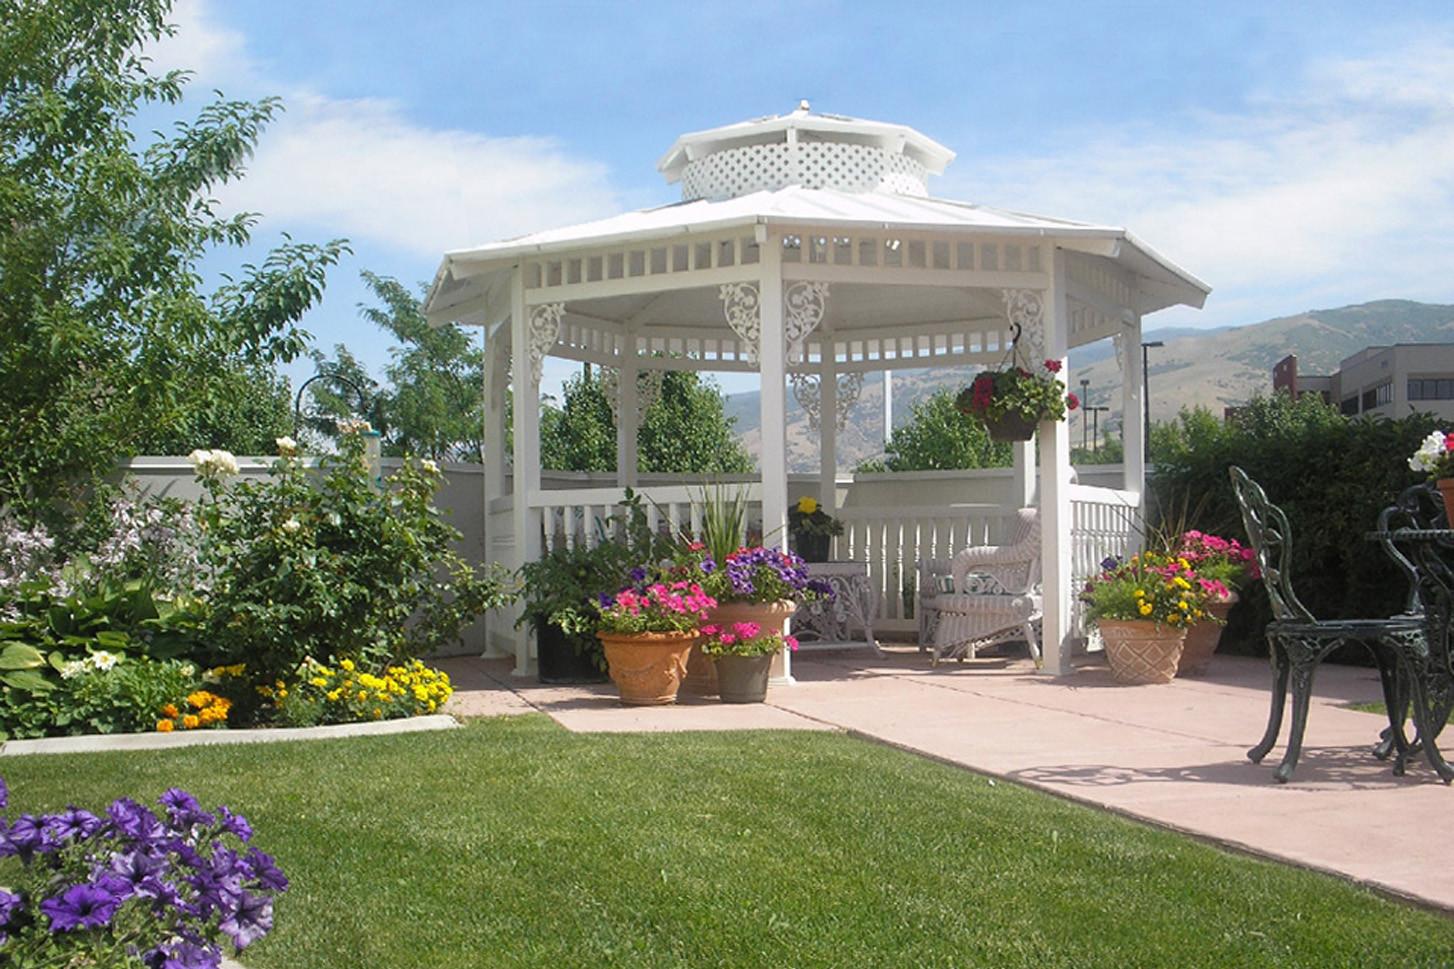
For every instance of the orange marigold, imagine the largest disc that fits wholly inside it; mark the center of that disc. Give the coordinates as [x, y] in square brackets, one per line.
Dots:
[190, 722]
[170, 711]
[165, 726]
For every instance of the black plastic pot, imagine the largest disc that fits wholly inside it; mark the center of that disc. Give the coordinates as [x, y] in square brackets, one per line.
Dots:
[1011, 427]
[814, 548]
[563, 658]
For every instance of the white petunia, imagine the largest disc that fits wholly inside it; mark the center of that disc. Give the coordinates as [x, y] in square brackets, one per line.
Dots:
[103, 660]
[1426, 458]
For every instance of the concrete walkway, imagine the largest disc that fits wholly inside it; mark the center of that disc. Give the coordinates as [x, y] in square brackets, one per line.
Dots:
[1174, 755]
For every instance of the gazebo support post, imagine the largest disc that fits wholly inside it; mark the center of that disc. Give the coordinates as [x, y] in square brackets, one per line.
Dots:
[493, 446]
[527, 449]
[828, 431]
[1055, 512]
[772, 366]
[1022, 481]
[627, 417]
[1134, 429]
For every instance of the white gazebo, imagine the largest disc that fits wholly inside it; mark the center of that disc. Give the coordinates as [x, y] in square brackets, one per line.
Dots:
[805, 248]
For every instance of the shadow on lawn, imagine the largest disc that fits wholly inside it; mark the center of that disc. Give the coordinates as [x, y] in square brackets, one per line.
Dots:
[1319, 769]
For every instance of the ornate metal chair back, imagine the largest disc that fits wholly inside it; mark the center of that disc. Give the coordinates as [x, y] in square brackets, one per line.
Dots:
[1271, 537]
[1418, 507]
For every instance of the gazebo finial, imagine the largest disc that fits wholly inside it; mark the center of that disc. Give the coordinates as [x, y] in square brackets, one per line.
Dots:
[803, 106]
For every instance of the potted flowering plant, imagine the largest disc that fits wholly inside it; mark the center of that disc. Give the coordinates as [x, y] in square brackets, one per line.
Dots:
[647, 632]
[743, 653]
[812, 529]
[1143, 607]
[1011, 402]
[133, 886]
[1435, 457]
[1222, 566]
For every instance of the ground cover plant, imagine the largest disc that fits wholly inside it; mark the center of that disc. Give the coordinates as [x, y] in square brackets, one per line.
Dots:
[514, 843]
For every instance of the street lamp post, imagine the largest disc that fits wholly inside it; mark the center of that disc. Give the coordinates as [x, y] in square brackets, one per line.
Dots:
[1146, 394]
[1095, 416]
[1084, 403]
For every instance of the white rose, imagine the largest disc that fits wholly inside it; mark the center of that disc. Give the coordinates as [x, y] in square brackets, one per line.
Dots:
[292, 525]
[287, 447]
[429, 466]
[199, 457]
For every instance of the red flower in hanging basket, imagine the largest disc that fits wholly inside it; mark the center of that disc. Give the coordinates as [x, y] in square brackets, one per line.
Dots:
[1072, 401]
[1053, 366]
[1036, 397]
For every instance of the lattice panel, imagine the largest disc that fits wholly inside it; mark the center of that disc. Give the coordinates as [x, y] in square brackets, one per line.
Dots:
[969, 344]
[828, 164]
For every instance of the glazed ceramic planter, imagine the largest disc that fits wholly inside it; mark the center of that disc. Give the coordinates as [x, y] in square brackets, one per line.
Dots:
[1201, 639]
[1141, 651]
[647, 668]
[743, 679]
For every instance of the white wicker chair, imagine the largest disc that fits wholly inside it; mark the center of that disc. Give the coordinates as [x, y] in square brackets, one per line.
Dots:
[996, 597]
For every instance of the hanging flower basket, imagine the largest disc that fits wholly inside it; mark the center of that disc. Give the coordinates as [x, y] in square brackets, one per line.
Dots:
[1011, 403]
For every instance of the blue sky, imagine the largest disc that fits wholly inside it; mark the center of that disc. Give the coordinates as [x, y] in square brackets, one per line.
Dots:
[1295, 156]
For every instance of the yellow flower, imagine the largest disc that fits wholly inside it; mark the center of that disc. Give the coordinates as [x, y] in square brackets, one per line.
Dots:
[807, 505]
[363, 695]
[333, 695]
[165, 726]
[1183, 583]
[346, 665]
[1183, 605]
[1140, 593]
[319, 682]
[1145, 608]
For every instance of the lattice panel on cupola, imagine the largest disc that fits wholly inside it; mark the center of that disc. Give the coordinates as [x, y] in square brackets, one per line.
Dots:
[844, 166]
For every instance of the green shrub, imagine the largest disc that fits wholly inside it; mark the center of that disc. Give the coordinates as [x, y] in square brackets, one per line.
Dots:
[101, 693]
[334, 566]
[1331, 475]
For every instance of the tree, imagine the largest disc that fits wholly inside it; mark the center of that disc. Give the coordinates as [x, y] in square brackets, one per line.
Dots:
[104, 335]
[434, 403]
[686, 430]
[938, 437]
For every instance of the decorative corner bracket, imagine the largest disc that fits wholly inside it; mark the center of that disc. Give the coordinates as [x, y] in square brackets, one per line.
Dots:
[544, 329]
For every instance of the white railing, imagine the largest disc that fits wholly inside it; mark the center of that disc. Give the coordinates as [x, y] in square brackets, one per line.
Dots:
[570, 517]
[893, 540]
[1104, 523]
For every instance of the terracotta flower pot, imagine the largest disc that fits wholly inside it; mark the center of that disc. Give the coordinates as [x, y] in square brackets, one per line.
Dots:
[1202, 638]
[701, 678]
[743, 679]
[647, 668]
[1446, 488]
[768, 615]
[1141, 651]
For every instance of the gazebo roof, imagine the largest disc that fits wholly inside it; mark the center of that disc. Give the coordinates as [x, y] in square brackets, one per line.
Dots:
[795, 207]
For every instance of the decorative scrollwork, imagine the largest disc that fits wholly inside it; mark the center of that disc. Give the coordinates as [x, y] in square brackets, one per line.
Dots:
[1119, 342]
[1025, 309]
[648, 390]
[808, 391]
[544, 328]
[741, 305]
[804, 304]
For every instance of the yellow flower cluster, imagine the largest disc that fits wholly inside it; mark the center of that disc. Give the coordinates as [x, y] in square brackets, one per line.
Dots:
[201, 709]
[348, 694]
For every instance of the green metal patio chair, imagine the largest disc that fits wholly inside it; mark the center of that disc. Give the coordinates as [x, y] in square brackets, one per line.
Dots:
[1298, 642]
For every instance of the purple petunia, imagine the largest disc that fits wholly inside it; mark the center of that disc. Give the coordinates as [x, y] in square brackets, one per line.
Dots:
[80, 907]
[184, 955]
[10, 903]
[70, 824]
[25, 837]
[134, 821]
[183, 809]
[265, 871]
[4, 793]
[250, 920]
[234, 823]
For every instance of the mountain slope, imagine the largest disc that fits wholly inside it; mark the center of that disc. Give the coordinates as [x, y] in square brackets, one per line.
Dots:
[1205, 368]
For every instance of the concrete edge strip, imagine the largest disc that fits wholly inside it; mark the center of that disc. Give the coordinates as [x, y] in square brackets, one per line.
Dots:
[95, 743]
[1226, 844]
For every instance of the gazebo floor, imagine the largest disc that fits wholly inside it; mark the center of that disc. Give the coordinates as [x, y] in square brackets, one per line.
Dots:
[1172, 755]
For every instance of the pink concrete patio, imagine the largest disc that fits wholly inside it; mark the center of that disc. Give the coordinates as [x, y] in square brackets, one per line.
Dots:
[1173, 755]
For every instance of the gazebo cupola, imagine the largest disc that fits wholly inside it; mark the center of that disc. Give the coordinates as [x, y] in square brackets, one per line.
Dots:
[808, 150]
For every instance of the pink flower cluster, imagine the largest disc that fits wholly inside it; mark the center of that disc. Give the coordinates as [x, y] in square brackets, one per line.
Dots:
[1200, 548]
[680, 598]
[743, 636]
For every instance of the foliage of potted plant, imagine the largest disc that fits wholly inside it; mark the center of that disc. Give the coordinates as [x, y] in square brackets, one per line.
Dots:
[812, 529]
[1435, 457]
[743, 655]
[1012, 402]
[1222, 566]
[647, 632]
[1142, 608]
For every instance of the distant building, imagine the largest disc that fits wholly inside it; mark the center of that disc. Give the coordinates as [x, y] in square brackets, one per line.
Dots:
[1391, 381]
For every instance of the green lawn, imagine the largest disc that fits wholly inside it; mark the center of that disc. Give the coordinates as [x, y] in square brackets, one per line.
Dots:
[514, 843]
[1378, 707]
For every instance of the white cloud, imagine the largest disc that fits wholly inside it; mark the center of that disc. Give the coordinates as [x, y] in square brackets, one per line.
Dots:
[361, 168]
[1338, 183]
